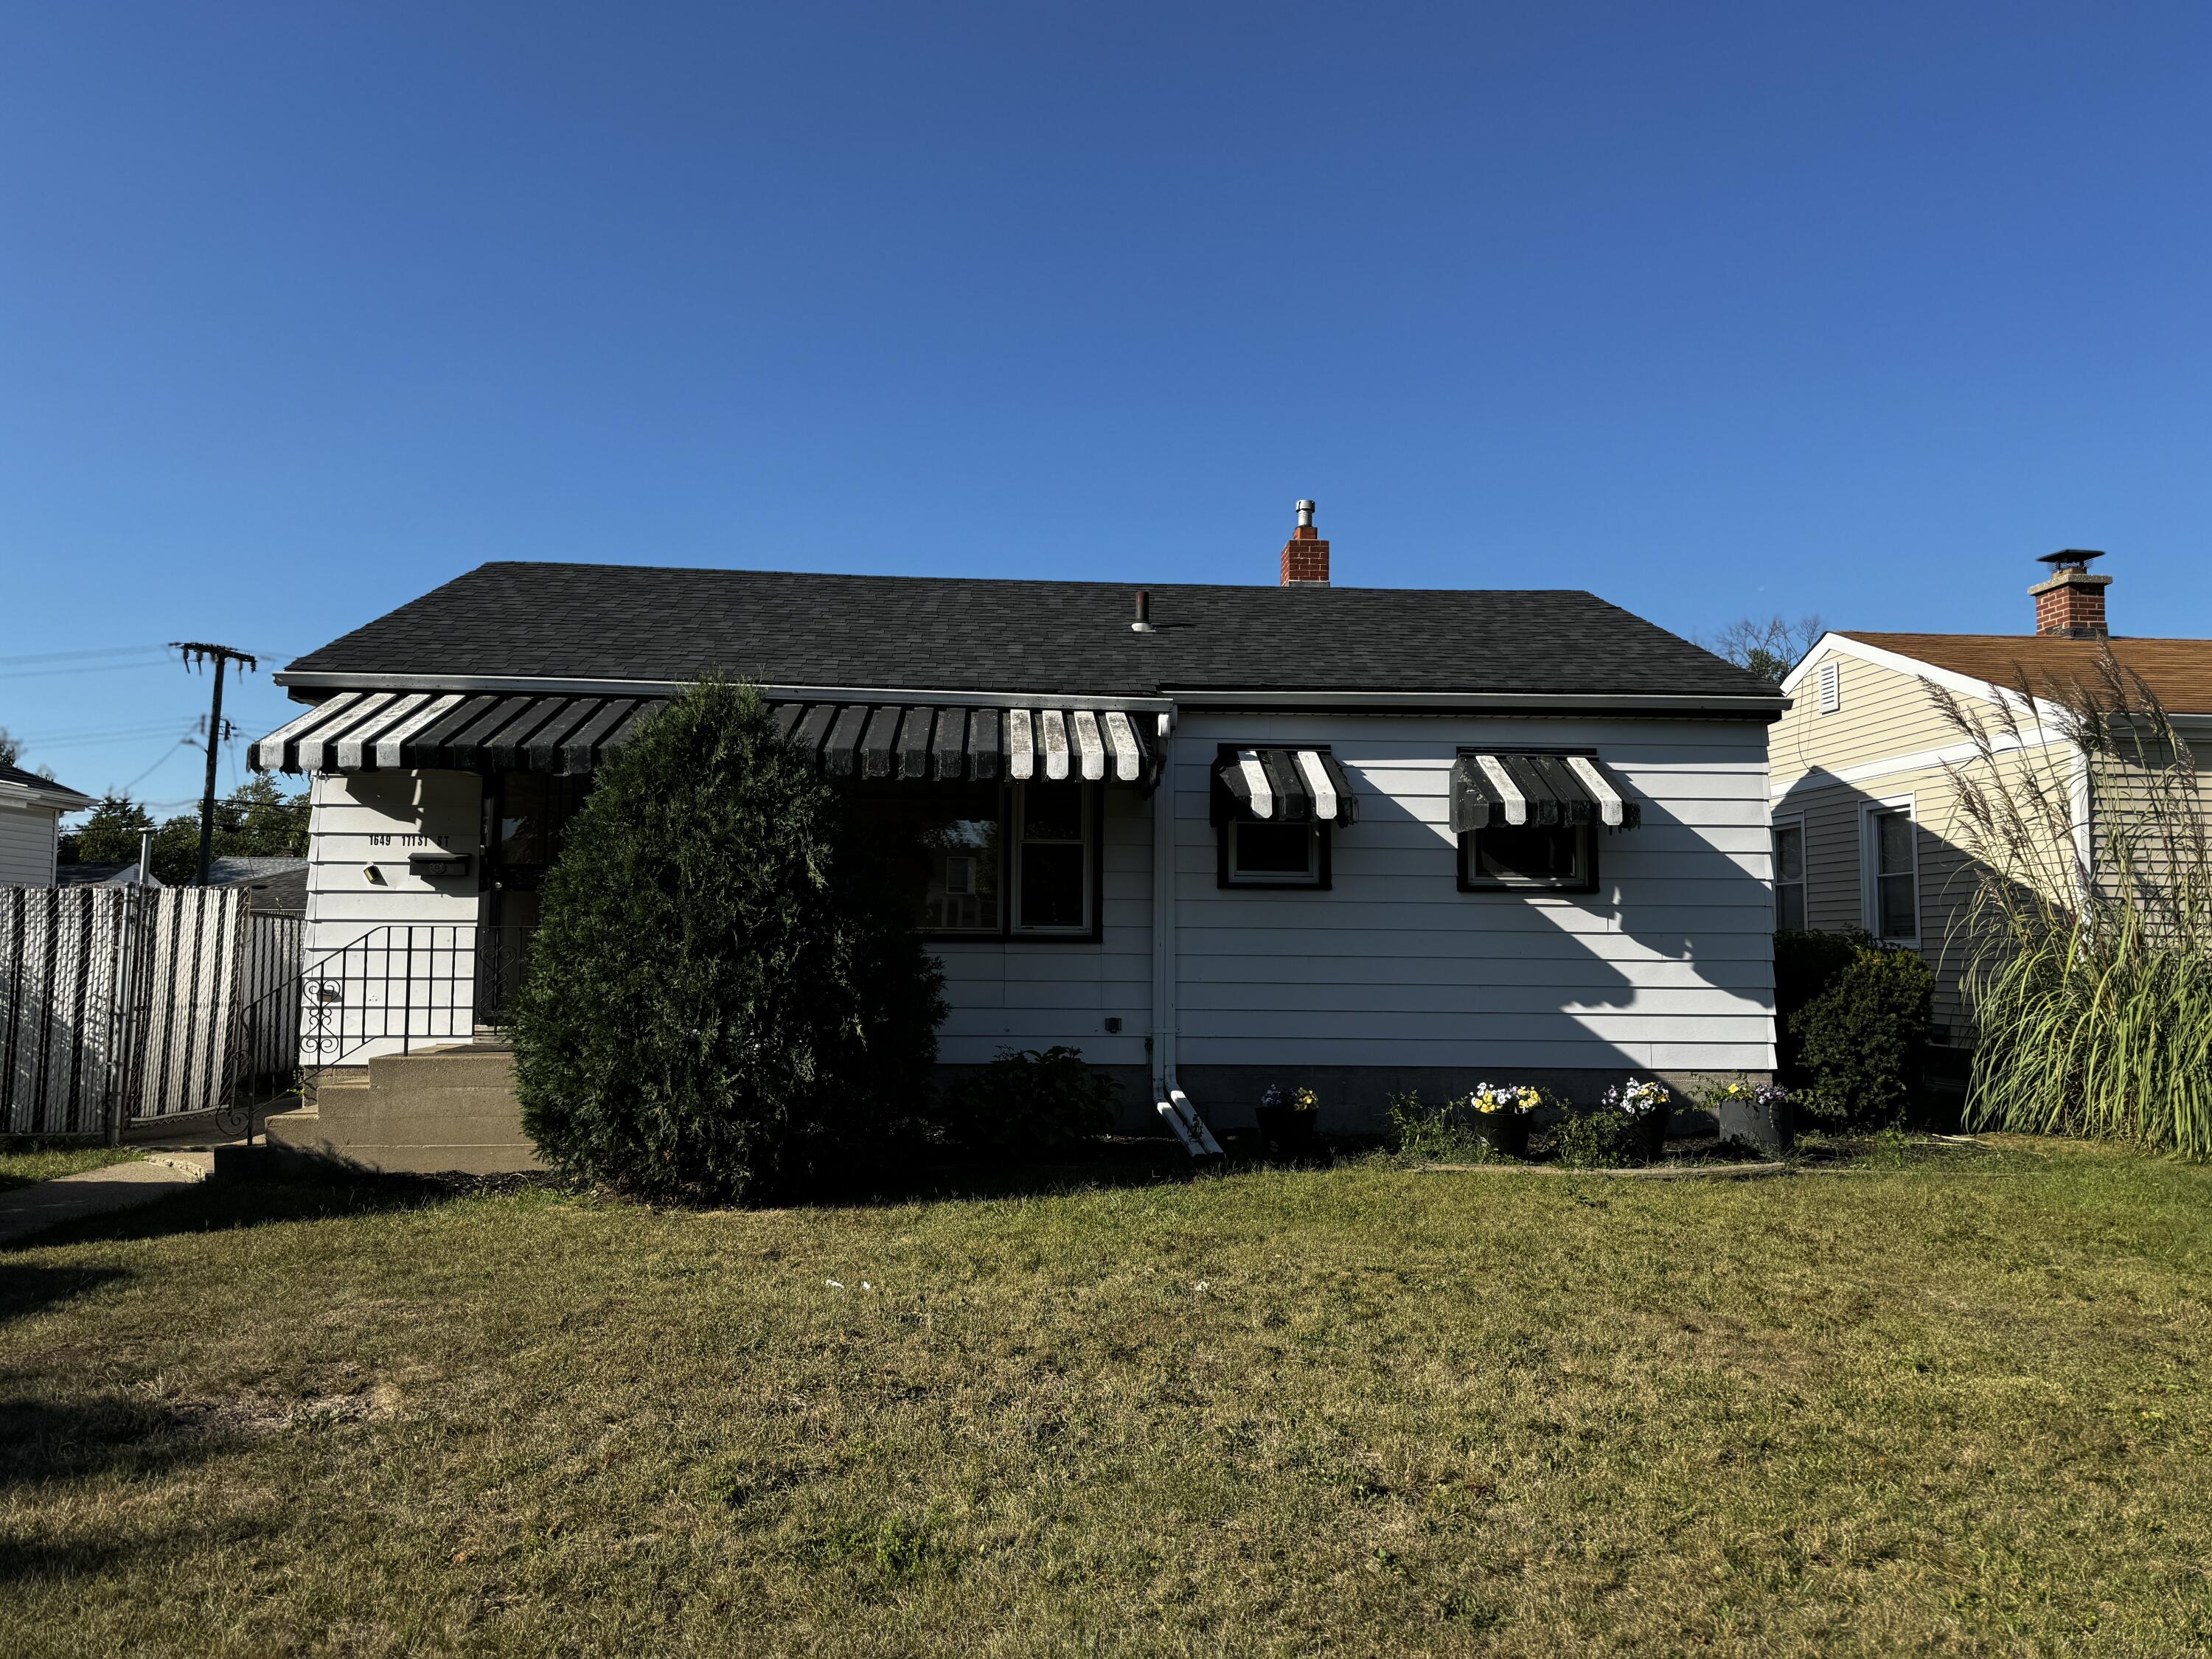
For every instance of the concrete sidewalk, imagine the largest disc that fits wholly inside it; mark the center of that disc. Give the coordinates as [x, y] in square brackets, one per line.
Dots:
[29, 1210]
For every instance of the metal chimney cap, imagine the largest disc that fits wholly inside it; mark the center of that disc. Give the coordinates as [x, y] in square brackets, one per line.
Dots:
[1305, 511]
[2070, 558]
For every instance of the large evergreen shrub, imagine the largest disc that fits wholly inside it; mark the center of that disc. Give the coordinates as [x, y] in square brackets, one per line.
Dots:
[727, 1000]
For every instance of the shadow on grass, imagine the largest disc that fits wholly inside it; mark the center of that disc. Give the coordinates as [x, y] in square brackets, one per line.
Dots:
[224, 1205]
[27, 1291]
[932, 1175]
[49, 1440]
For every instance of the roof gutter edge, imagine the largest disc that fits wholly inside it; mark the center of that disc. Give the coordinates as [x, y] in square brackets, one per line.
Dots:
[1533, 701]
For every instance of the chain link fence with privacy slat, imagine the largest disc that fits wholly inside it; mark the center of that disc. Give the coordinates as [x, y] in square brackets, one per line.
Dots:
[118, 1004]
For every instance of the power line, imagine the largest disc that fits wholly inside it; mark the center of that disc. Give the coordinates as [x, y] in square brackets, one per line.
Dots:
[75, 656]
[75, 662]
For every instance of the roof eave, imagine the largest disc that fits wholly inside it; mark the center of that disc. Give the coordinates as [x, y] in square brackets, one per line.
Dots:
[1748, 706]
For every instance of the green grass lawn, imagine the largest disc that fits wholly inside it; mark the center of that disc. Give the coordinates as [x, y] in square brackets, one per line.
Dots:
[1954, 1405]
[26, 1160]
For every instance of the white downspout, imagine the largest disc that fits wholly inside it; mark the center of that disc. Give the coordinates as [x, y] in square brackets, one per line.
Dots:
[1170, 1101]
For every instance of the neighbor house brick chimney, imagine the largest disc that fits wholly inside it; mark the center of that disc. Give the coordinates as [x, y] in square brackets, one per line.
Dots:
[2071, 604]
[1305, 556]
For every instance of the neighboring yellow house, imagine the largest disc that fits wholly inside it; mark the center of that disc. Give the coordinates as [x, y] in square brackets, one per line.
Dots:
[1866, 818]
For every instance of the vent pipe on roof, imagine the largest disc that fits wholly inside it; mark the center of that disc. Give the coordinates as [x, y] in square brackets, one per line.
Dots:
[1144, 622]
[1305, 556]
[2071, 604]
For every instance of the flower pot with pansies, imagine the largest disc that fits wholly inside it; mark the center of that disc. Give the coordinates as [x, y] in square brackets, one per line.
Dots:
[1760, 1114]
[1647, 1105]
[1498, 1115]
[1287, 1119]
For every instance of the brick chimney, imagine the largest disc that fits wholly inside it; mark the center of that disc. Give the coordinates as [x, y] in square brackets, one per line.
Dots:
[2071, 604]
[1305, 556]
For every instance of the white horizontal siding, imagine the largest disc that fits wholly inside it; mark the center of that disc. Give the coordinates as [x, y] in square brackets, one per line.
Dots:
[365, 822]
[1034, 993]
[27, 834]
[1669, 964]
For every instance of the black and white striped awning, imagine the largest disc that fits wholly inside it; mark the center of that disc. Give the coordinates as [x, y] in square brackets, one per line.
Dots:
[515, 731]
[1281, 786]
[1513, 787]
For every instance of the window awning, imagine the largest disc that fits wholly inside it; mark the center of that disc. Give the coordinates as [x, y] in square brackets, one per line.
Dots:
[515, 731]
[1513, 787]
[1281, 786]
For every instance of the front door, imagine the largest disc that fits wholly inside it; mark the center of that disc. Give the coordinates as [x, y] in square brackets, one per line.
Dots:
[526, 816]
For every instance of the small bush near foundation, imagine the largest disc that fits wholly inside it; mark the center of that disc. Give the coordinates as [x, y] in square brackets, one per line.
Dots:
[1860, 1041]
[1027, 1104]
[1598, 1140]
[1421, 1130]
[1806, 964]
[727, 1000]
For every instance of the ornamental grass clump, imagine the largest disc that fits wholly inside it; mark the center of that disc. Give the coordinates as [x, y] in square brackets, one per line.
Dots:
[2088, 931]
[727, 1001]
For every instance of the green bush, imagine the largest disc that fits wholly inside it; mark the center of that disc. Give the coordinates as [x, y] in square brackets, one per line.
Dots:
[1420, 1130]
[1599, 1140]
[1805, 965]
[1859, 1042]
[1027, 1104]
[727, 1001]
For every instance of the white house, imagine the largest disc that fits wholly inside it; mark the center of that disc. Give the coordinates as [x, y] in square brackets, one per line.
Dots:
[31, 811]
[1211, 835]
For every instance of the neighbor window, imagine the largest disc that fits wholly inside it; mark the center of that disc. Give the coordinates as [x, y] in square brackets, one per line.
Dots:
[1560, 856]
[1894, 901]
[1254, 854]
[1053, 840]
[1789, 875]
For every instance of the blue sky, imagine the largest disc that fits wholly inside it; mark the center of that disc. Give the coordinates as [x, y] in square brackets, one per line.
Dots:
[1713, 309]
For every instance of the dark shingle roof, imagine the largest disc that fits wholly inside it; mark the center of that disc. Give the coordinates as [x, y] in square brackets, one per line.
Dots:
[930, 633]
[16, 775]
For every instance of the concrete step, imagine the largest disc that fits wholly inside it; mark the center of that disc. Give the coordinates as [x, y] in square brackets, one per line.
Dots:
[486, 1113]
[465, 1067]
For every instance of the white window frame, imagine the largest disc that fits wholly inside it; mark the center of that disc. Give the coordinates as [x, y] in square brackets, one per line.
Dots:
[1803, 883]
[1312, 876]
[1870, 867]
[1831, 685]
[1019, 816]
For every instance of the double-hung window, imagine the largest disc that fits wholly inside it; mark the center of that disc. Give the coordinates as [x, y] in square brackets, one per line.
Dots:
[1054, 854]
[1892, 863]
[1790, 874]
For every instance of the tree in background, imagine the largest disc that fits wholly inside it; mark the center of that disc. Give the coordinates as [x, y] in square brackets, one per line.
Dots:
[11, 753]
[257, 819]
[109, 834]
[1769, 648]
[726, 997]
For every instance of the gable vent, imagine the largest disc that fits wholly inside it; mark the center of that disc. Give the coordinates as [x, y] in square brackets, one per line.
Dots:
[1832, 687]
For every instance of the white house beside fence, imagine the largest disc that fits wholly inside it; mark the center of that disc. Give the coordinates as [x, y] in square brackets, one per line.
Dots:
[1211, 836]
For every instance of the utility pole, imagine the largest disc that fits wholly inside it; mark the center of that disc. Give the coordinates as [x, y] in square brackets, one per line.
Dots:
[197, 652]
